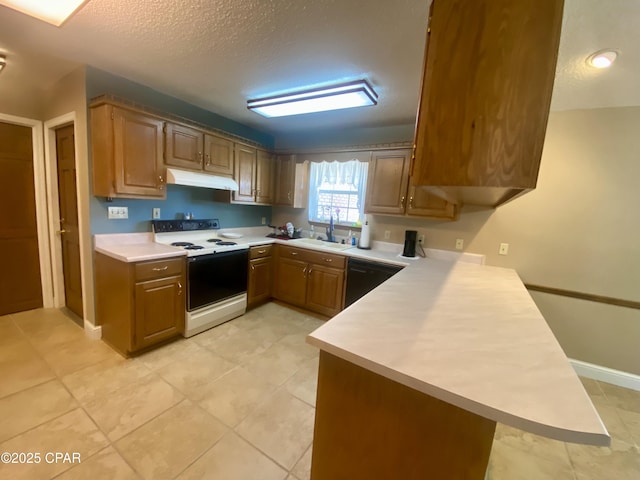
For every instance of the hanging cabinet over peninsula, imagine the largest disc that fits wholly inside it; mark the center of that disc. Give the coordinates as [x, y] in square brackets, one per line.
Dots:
[488, 77]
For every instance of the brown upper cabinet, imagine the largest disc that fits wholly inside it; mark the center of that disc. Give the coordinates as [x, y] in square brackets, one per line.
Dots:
[193, 149]
[292, 182]
[254, 171]
[389, 191]
[126, 149]
[488, 76]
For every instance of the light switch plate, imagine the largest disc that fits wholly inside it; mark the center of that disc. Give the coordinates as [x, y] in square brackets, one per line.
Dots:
[504, 249]
[116, 213]
[156, 213]
[459, 243]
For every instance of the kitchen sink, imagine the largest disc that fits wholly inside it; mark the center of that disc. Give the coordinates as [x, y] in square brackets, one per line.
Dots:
[322, 243]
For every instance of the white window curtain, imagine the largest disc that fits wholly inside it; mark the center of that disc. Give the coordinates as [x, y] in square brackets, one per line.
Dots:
[337, 189]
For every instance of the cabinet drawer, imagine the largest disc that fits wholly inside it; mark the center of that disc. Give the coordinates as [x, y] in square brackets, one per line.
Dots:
[327, 259]
[310, 256]
[159, 268]
[260, 251]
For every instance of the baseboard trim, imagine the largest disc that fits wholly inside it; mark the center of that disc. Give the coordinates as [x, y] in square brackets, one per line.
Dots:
[605, 374]
[92, 331]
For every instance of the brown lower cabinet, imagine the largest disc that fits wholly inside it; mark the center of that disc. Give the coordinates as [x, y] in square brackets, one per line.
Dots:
[260, 275]
[311, 280]
[139, 304]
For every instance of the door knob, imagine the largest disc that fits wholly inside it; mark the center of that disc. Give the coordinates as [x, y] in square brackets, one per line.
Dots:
[61, 231]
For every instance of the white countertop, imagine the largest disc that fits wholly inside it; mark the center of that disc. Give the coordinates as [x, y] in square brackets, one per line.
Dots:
[134, 247]
[467, 334]
[472, 336]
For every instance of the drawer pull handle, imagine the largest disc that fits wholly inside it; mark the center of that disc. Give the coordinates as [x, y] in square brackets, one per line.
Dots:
[294, 253]
[328, 259]
[261, 251]
[310, 270]
[253, 267]
[160, 269]
[304, 272]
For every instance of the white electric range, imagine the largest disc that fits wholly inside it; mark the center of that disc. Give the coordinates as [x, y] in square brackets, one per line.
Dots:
[216, 271]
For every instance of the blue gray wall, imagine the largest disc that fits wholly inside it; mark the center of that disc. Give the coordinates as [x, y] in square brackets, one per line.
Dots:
[179, 199]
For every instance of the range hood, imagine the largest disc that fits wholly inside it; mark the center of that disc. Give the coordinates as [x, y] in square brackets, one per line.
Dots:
[197, 179]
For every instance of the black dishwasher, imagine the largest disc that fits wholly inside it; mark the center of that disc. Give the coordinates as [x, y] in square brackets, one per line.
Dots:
[364, 275]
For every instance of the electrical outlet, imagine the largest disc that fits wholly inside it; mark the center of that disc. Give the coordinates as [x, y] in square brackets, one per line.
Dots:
[459, 243]
[504, 249]
[387, 234]
[118, 212]
[264, 220]
[156, 213]
[421, 239]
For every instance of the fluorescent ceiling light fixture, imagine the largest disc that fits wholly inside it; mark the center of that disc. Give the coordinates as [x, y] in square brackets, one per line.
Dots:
[55, 12]
[602, 58]
[335, 97]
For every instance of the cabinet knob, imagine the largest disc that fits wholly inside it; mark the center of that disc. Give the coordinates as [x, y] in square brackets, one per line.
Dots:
[402, 201]
[410, 202]
[304, 272]
[161, 180]
[253, 267]
[310, 270]
[179, 288]
[288, 195]
[61, 232]
[328, 260]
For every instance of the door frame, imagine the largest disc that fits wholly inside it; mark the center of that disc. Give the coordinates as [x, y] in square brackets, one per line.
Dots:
[42, 217]
[53, 208]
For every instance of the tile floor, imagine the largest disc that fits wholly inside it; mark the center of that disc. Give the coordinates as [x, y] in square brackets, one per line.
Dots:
[235, 402]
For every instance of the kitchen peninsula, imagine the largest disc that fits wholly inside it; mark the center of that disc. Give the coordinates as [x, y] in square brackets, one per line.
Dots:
[413, 379]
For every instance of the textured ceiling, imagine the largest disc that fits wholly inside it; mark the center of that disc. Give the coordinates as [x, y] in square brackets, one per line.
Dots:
[217, 53]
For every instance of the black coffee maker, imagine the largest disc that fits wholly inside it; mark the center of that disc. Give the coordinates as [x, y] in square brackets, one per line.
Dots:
[410, 240]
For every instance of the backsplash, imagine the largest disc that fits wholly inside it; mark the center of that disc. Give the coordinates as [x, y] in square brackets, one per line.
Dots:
[180, 199]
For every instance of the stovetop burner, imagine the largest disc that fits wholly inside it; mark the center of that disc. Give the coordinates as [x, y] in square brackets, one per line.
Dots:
[226, 243]
[193, 247]
[182, 244]
[214, 240]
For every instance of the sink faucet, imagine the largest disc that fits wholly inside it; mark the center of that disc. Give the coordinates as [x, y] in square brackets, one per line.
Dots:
[330, 237]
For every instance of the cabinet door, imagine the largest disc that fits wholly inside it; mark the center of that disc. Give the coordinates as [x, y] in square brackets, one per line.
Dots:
[245, 173]
[291, 281]
[137, 154]
[484, 108]
[325, 289]
[265, 166]
[387, 182]
[259, 287]
[159, 310]
[425, 204]
[218, 155]
[285, 177]
[183, 147]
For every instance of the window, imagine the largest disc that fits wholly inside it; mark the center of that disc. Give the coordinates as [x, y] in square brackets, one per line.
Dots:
[338, 189]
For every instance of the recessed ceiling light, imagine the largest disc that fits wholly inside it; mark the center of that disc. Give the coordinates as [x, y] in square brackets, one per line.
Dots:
[334, 97]
[602, 58]
[55, 12]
